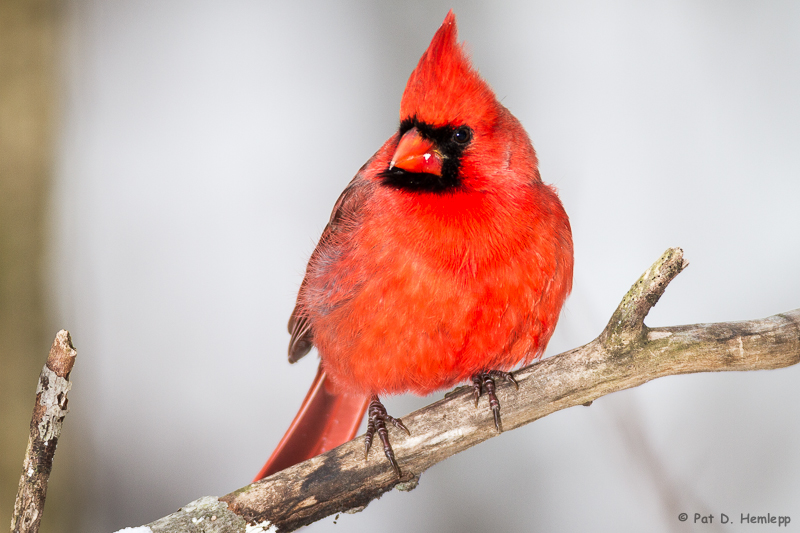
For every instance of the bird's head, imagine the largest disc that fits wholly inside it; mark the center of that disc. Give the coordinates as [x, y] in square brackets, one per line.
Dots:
[454, 134]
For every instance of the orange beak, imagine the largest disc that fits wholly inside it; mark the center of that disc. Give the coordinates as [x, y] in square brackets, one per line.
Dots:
[414, 153]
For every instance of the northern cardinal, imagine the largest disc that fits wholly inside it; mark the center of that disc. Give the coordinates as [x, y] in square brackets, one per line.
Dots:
[445, 259]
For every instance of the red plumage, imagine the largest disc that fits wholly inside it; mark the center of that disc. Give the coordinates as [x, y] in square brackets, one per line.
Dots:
[442, 259]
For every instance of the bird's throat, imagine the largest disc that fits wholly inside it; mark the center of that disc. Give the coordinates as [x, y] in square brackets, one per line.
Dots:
[421, 182]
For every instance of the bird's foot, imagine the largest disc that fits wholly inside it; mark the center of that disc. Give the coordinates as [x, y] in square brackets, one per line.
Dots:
[376, 422]
[484, 382]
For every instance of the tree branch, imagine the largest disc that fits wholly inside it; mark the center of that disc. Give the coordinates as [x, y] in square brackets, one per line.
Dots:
[48, 414]
[626, 354]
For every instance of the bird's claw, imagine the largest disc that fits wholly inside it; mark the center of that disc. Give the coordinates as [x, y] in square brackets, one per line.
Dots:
[376, 423]
[484, 382]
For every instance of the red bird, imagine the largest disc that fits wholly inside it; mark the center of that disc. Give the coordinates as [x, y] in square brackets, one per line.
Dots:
[445, 259]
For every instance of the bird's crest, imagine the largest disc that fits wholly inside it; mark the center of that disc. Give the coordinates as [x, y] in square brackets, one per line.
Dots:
[445, 88]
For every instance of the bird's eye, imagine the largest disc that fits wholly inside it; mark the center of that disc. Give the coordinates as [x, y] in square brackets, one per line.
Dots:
[462, 135]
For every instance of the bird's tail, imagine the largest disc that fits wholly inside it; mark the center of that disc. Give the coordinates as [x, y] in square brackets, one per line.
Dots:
[325, 420]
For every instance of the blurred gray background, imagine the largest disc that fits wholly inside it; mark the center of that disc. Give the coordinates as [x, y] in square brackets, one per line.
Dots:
[198, 148]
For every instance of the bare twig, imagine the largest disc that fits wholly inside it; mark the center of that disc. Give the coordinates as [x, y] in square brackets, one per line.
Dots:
[48, 414]
[626, 354]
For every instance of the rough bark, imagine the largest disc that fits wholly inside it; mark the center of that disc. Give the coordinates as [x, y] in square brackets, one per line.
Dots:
[48, 415]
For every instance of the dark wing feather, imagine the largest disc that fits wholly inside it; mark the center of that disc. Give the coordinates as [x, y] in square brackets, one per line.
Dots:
[302, 337]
